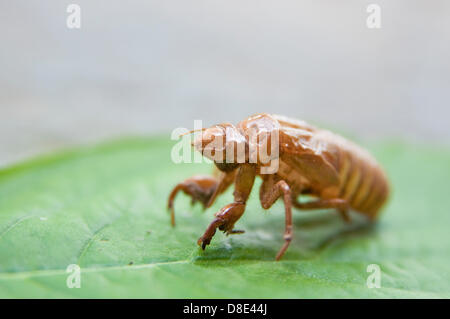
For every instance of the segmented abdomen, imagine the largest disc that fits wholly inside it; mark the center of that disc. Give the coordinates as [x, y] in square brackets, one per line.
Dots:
[362, 181]
[308, 150]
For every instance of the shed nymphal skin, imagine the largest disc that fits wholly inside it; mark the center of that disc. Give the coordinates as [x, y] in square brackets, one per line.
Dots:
[311, 161]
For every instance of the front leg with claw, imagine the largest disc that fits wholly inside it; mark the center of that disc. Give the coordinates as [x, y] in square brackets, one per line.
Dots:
[228, 216]
[225, 220]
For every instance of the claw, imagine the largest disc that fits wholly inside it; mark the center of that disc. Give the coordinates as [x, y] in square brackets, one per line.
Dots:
[209, 233]
[200, 188]
[203, 243]
[235, 232]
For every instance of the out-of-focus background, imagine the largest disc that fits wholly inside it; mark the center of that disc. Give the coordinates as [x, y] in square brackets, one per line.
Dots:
[142, 67]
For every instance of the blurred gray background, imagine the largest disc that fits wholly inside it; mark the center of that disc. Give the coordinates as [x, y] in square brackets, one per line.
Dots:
[141, 67]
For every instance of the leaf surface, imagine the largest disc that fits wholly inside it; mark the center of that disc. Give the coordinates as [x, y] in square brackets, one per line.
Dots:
[104, 209]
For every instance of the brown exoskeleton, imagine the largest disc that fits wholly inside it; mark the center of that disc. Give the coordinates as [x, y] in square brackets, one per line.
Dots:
[309, 161]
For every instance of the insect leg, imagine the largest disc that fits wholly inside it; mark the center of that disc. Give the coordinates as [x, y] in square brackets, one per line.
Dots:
[340, 204]
[225, 180]
[225, 220]
[270, 192]
[204, 189]
[230, 214]
[200, 188]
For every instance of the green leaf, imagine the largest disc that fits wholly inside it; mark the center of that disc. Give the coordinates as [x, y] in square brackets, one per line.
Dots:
[104, 208]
